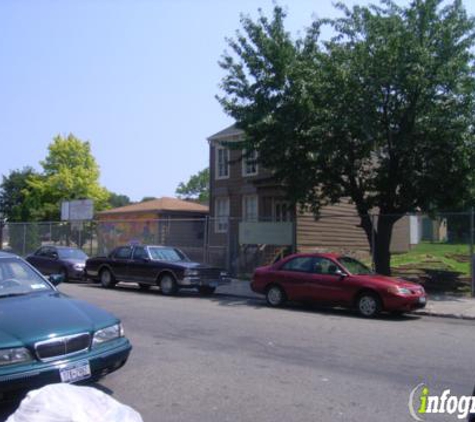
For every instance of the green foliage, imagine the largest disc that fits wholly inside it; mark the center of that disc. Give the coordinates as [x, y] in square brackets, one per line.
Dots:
[148, 198]
[382, 114]
[70, 172]
[450, 257]
[117, 200]
[196, 188]
[13, 193]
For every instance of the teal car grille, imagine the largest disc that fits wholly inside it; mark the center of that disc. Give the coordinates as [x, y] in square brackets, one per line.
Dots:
[62, 346]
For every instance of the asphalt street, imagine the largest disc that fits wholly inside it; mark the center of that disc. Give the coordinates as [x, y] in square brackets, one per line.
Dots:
[224, 358]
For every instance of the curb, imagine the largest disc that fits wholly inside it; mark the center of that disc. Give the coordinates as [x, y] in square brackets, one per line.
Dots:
[441, 315]
[434, 314]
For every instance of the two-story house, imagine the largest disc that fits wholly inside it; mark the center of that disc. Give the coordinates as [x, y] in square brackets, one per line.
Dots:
[248, 207]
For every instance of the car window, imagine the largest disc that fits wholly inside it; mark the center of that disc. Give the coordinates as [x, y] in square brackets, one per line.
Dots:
[18, 278]
[354, 266]
[40, 252]
[123, 253]
[300, 264]
[324, 266]
[167, 254]
[140, 253]
[71, 253]
[50, 252]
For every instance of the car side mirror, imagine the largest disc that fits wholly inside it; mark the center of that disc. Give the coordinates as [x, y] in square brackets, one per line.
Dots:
[55, 256]
[56, 279]
[341, 273]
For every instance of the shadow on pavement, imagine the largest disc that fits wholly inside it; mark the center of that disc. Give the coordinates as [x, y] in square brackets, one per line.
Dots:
[230, 300]
[8, 408]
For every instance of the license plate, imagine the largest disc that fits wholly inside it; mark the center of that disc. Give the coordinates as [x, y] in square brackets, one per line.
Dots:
[75, 372]
[422, 300]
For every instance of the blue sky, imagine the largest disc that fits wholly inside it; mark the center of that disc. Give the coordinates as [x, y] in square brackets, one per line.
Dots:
[137, 78]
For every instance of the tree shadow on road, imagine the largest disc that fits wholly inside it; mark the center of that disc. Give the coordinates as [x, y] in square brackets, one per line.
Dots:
[230, 300]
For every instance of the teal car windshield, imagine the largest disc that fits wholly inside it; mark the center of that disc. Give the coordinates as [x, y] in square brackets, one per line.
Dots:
[18, 278]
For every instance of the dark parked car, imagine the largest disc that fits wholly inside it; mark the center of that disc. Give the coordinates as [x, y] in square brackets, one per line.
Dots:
[148, 265]
[47, 337]
[67, 261]
[338, 280]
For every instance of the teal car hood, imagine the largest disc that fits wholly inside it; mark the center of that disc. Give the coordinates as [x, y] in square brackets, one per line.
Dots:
[25, 320]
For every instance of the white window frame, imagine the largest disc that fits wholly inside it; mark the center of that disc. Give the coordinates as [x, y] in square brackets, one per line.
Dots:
[248, 161]
[248, 216]
[282, 204]
[217, 163]
[221, 213]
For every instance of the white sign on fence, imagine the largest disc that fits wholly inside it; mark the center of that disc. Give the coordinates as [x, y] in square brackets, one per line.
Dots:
[79, 210]
[265, 233]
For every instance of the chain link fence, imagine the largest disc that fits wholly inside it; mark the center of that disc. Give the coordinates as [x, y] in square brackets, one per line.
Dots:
[434, 250]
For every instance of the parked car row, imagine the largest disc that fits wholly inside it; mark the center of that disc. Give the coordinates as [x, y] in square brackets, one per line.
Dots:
[329, 279]
[48, 337]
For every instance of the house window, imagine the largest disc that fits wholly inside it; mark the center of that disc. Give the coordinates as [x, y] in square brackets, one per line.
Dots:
[282, 211]
[222, 163]
[249, 208]
[249, 163]
[221, 212]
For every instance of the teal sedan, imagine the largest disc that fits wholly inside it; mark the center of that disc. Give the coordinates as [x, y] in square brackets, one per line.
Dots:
[48, 337]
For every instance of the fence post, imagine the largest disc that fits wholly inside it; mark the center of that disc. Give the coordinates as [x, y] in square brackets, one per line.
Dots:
[24, 239]
[205, 240]
[2, 225]
[228, 246]
[373, 240]
[472, 266]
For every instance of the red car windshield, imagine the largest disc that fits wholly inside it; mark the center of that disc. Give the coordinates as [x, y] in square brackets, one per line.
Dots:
[354, 266]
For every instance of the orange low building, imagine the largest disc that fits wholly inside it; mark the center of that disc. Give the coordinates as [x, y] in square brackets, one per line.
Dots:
[161, 221]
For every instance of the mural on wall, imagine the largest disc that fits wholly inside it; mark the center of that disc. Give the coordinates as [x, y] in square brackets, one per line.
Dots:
[115, 233]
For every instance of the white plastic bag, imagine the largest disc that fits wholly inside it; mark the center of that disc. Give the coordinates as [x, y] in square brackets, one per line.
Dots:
[70, 403]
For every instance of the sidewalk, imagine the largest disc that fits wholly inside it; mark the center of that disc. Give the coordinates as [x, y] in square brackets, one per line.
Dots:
[437, 305]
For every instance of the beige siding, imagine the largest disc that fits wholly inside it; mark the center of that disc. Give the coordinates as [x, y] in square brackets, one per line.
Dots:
[339, 228]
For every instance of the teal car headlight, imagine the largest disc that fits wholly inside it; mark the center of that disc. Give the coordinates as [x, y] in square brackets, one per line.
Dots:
[107, 334]
[14, 356]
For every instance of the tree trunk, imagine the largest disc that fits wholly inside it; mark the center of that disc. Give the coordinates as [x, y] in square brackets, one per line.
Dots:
[382, 248]
[379, 239]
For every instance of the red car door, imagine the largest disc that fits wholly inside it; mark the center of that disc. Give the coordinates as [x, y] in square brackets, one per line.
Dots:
[327, 285]
[296, 277]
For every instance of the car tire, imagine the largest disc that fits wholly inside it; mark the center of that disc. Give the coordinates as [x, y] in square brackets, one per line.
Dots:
[107, 278]
[275, 296]
[144, 287]
[168, 286]
[368, 305]
[206, 290]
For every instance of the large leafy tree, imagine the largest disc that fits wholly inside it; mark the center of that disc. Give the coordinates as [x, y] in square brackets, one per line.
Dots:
[70, 172]
[196, 188]
[14, 208]
[382, 114]
[13, 193]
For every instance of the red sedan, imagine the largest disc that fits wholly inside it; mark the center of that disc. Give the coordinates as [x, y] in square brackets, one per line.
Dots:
[336, 280]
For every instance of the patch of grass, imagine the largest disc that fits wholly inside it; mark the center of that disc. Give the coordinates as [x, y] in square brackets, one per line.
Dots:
[443, 256]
